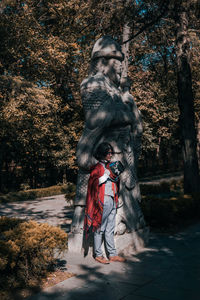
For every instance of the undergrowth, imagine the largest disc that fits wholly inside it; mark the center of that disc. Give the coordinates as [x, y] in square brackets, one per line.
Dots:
[27, 253]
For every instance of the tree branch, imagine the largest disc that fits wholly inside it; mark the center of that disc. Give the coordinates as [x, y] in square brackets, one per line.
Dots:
[147, 25]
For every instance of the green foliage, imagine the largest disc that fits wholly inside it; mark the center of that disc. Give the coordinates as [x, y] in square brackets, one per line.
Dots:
[17, 196]
[148, 189]
[165, 206]
[166, 212]
[68, 189]
[44, 56]
[27, 251]
[32, 130]
[71, 190]
[163, 187]
[52, 190]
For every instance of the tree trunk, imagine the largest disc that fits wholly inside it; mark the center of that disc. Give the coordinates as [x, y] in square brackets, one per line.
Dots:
[186, 101]
[198, 142]
[1, 173]
[125, 49]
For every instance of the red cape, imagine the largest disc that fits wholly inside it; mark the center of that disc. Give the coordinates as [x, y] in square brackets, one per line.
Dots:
[95, 199]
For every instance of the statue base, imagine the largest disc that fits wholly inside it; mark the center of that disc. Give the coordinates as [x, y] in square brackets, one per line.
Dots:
[126, 244]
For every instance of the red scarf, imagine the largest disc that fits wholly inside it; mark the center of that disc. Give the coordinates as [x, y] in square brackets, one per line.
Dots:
[95, 199]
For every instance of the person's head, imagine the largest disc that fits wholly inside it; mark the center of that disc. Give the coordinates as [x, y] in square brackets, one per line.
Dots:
[107, 58]
[104, 152]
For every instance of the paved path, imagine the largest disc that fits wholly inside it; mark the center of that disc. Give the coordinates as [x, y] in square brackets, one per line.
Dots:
[169, 269]
[53, 210]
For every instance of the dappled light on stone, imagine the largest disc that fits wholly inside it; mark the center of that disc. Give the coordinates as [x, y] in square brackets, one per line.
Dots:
[111, 115]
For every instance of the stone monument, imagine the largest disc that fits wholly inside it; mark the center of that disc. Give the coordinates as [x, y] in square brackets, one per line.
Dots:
[111, 115]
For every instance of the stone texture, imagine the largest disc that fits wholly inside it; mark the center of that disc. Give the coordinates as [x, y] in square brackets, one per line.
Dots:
[111, 115]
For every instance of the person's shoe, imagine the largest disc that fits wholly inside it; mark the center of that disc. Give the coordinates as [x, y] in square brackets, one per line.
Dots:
[117, 258]
[102, 260]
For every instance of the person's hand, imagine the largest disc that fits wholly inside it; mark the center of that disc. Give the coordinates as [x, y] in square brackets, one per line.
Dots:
[107, 172]
[105, 176]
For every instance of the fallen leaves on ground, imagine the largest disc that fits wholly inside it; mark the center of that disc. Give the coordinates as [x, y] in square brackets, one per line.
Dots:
[52, 279]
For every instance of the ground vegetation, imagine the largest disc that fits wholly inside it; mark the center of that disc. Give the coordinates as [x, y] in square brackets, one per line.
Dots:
[28, 251]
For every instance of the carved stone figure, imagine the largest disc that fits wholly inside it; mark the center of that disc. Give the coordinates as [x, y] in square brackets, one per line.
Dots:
[111, 115]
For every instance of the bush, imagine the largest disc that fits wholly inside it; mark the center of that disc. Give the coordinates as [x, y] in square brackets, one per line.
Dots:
[18, 196]
[51, 191]
[27, 251]
[166, 213]
[38, 193]
[165, 206]
[70, 195]
[162, 187]
[71, 191]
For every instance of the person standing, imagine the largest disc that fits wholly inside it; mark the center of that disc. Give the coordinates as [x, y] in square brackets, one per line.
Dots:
[111, 116]
[101, 205]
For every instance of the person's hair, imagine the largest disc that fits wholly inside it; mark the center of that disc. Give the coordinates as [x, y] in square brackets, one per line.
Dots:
[102, 150]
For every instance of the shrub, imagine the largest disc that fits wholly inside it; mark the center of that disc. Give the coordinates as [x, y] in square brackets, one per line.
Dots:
[165, 206]
[162, 187]
[27, 251]
[68, 189]
[18, 196]
[71, 191]
[51, 191]
[70, 195]
[167, 212]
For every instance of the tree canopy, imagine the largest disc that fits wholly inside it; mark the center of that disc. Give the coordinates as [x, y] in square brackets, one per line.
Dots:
[44, 55]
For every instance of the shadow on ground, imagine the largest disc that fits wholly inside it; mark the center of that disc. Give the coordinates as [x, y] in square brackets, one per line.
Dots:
[168, 270]
[52, 210]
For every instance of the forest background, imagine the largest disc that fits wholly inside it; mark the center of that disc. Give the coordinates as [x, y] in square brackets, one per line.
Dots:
[44, 55]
